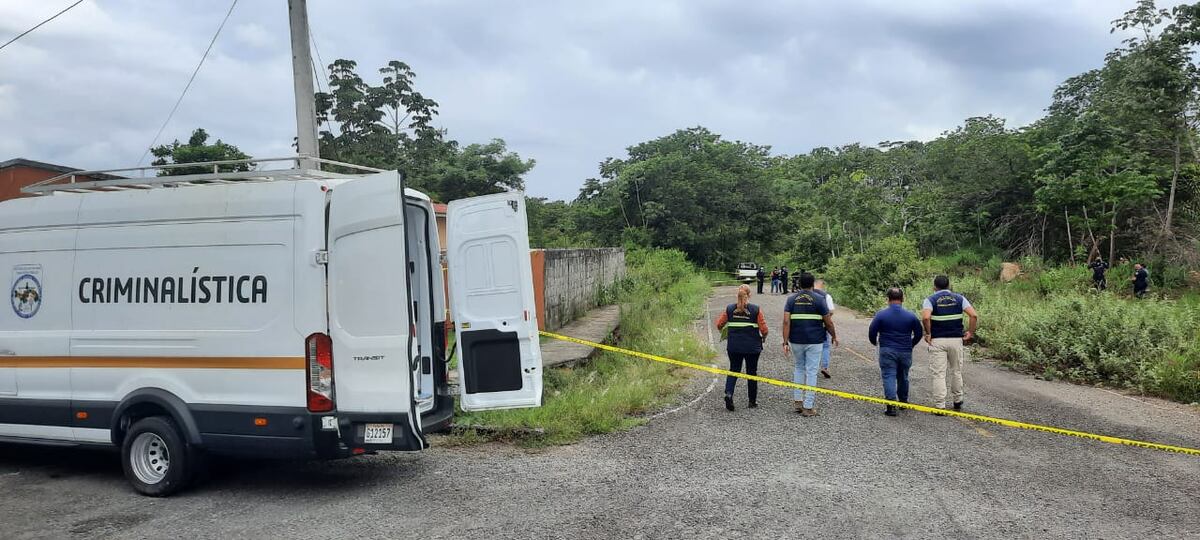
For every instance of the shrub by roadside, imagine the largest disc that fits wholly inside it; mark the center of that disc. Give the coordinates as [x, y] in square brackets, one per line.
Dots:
[1048, 321]
[660, 297]
[1050, 324]
[859, 279]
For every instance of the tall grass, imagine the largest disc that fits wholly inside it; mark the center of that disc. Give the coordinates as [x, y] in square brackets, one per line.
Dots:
[1051, 324]
[1049, 321]
[660, 297]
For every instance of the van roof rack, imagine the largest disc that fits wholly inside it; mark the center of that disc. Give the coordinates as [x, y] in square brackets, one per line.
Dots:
[70, 182]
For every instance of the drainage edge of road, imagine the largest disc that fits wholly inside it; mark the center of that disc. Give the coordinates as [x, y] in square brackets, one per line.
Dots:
[881, 401]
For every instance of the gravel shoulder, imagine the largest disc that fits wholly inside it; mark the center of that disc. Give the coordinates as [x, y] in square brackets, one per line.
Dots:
[700, 471]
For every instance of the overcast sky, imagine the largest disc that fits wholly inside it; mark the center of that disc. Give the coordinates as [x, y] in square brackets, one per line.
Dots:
[565, 83]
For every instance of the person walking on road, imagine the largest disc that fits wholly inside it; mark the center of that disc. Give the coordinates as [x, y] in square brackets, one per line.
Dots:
[942, 315]
[806, 321]
[760, 275]
[775, 280]
[783, 280]
[747, 330]
[1140, 279]
[895, 331]
[826, 350]
[1099, 267]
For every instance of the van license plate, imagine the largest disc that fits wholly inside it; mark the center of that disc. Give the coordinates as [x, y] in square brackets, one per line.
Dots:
[378, 433]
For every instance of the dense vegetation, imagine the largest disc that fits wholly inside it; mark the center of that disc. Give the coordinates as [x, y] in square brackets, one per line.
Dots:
[660, 298]
[1111, 169]
[1047, 321]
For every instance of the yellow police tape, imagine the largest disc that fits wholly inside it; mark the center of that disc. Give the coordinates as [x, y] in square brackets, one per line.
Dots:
[881, 401]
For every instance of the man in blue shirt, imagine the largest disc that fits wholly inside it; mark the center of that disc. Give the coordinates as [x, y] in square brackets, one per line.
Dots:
[806, 320]
[895, 331]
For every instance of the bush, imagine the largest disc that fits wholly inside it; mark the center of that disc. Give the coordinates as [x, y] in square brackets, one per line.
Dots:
[860, 279]
[1049, 322]
[1145, 345]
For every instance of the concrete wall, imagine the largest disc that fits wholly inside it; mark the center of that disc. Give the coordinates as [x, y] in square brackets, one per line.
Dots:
[571, 281]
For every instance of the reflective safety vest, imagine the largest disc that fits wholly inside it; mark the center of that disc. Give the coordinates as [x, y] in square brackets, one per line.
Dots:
[807, 314]
[744, 336]
[946, 320]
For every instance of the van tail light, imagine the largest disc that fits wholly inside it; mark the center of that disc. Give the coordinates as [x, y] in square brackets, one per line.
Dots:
[318, 352]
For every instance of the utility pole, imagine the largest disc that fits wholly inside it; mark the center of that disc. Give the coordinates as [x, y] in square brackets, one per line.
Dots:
[302, 75]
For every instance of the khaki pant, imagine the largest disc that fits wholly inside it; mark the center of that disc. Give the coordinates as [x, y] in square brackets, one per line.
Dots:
[943, 353]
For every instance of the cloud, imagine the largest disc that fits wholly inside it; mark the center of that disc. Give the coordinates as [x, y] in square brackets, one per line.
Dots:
[568, 84]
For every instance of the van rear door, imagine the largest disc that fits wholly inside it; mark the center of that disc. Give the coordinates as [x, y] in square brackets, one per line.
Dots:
[491, 298]
[370, 321]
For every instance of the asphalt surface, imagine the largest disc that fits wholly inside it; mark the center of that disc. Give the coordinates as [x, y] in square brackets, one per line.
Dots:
[698, 472]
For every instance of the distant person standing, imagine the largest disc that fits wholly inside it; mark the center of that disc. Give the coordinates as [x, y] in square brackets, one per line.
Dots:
[747, 330]
[806, 320]
[942, 314]
[826, 350]
[760, 275]
[775, 280]
[895, 331]
[783, 280]
[1140, 279]
[1099, 267]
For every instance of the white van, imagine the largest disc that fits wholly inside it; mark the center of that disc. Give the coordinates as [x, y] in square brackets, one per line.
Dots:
[292, 313]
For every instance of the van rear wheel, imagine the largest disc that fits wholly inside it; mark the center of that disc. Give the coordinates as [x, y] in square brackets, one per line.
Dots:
[155, 458]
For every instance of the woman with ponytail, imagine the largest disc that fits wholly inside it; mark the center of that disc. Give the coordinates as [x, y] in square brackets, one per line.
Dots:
[747, 328]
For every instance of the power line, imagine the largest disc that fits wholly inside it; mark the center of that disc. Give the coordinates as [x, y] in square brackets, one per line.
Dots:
[22, 34]
[189, 83]
[319, 74]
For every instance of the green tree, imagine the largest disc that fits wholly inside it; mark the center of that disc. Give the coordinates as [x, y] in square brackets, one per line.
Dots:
[197, 150]
[390, 126]
[693, 191]
[479, 169]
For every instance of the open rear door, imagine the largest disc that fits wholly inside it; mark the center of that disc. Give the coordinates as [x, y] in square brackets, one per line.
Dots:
[370, 321]
[491, 298]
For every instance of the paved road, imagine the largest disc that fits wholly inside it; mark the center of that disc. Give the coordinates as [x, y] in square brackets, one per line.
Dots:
[701, 472]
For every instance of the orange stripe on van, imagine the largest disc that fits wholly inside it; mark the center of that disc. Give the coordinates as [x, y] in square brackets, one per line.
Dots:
[156, 362]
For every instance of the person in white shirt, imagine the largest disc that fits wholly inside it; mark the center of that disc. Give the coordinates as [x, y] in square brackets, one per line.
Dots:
[819, 287]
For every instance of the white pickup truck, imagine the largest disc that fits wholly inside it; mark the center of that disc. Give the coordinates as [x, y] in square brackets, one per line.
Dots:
[747, 271]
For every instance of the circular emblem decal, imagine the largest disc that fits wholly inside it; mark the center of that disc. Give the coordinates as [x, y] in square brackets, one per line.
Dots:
[26, 296]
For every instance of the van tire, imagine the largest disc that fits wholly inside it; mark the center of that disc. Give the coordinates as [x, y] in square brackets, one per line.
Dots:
[156, 459]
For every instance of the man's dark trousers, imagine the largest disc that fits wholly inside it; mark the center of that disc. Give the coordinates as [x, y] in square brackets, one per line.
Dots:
[893, 366]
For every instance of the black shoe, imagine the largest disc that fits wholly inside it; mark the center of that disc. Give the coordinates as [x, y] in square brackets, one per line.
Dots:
[728, 402]
[825, 373]
[891, 410]
[958, 405]
[753, 405]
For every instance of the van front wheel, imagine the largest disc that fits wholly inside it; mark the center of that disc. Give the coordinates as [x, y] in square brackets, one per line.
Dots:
[155, 457]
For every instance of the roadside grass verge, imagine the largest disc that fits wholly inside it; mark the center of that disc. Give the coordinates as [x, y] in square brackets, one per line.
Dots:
[1047, 322]
[1065, 332]
[659, 299]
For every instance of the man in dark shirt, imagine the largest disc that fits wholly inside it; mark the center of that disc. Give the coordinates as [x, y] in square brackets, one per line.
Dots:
[1141, 280]
[1099, 267]
[895, 331]
[783, 280]
[761, 275]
